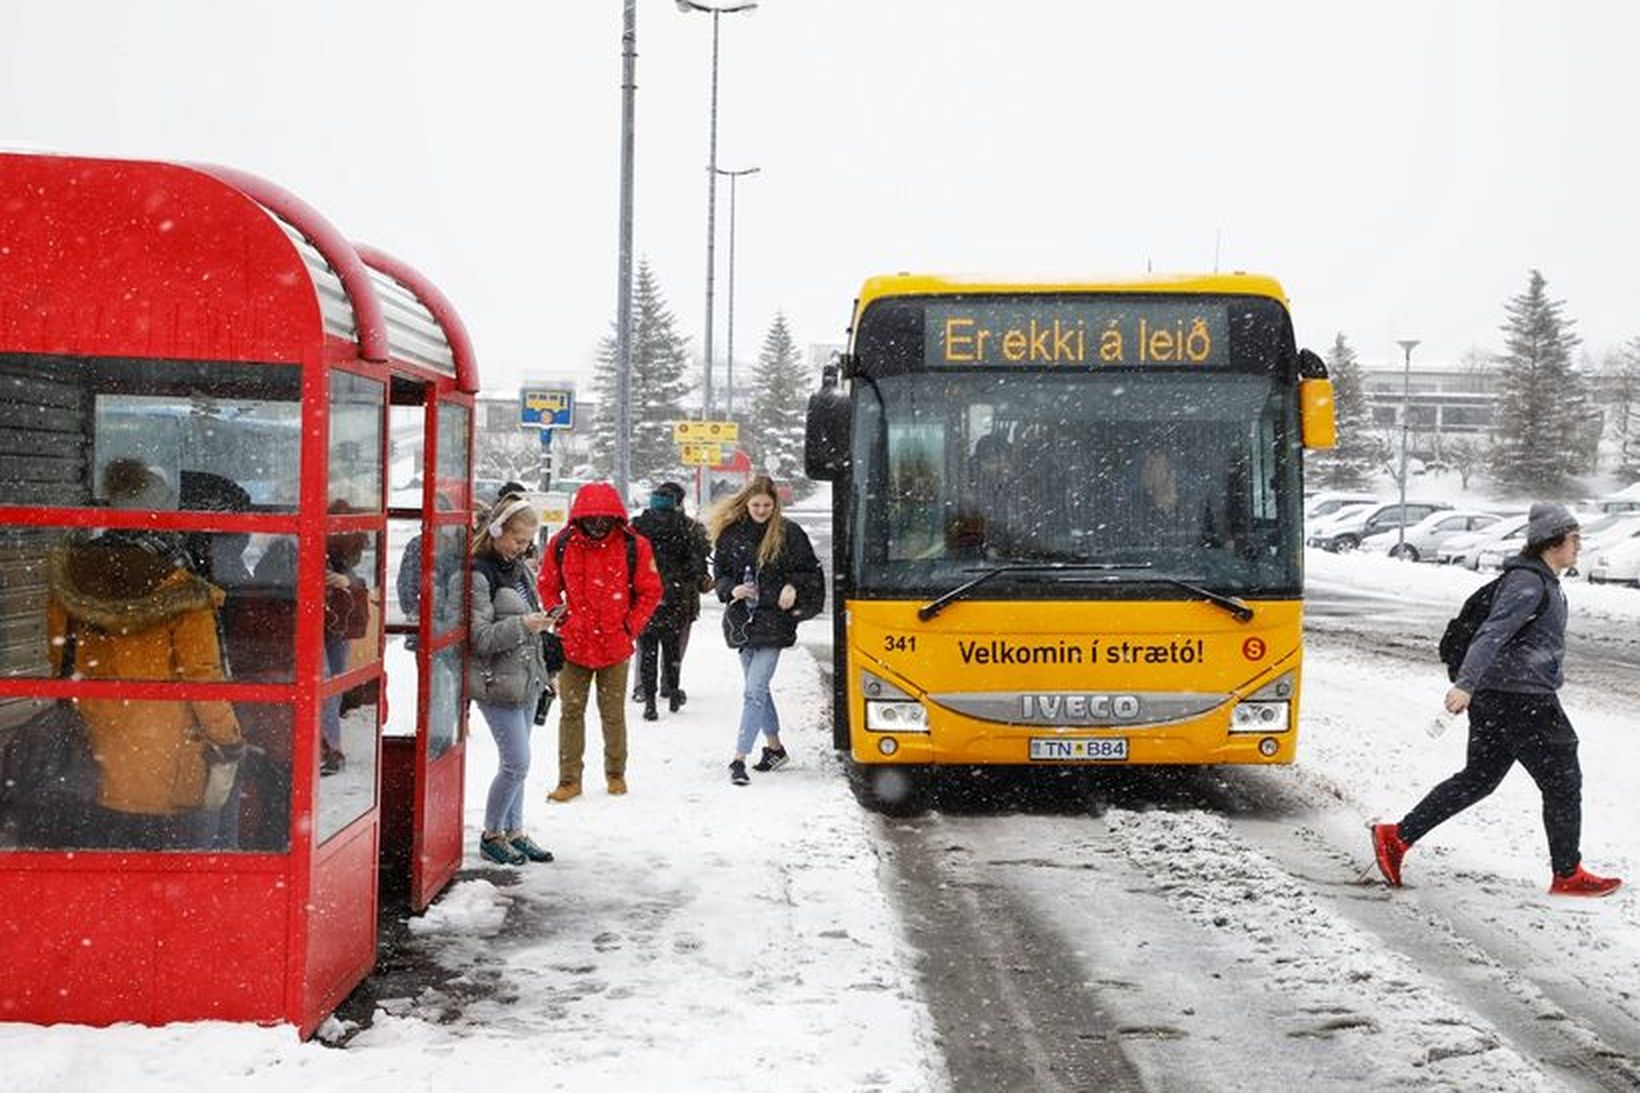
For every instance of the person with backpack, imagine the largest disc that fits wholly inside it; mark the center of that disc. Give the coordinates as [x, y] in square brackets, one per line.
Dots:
[507, 673]
[768, 576]
[680, 554]
[603, 574]
[1507, 679]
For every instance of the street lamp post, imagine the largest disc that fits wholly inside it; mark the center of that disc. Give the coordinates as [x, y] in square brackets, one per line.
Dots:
[1407, 346]
[711, 178]
[733, 177]
[623, 294]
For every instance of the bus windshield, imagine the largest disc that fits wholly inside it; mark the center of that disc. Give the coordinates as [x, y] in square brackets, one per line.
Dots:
[1187, 476]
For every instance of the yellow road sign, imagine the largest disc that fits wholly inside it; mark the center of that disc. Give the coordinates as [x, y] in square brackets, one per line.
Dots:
[715, 432]
[701, 455]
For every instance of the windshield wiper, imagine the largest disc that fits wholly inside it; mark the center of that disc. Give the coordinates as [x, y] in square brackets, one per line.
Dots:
[1237, 608]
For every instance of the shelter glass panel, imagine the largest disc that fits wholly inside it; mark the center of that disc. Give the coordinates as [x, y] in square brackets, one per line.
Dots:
[153, 782]
[147, 605]
[454, 429]
[347, 788]
[214, 435]
[355, 443]
[444, 703]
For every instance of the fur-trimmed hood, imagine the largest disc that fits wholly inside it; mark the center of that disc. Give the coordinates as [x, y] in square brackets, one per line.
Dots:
[125, 583]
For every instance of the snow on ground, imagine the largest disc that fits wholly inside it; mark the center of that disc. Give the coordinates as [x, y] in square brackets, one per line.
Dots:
[691, 935]
[1285, 889]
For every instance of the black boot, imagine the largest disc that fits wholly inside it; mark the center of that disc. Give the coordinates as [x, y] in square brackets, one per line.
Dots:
[649, 711]
[675, 700]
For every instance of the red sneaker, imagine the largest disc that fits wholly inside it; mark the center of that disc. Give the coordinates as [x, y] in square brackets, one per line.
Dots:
[1388, 847]
[1581, 882]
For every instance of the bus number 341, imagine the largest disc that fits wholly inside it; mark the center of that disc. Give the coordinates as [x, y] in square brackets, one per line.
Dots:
[899, 643]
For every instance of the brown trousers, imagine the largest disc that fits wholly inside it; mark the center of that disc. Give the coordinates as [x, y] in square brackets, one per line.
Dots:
[574, 681]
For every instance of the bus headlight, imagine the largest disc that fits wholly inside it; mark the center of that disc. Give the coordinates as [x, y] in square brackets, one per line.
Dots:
[896, 717]
[1260, 717]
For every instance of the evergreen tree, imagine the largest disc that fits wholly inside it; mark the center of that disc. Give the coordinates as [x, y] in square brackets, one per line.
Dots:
[772, 431]
[660, 358]
[1352, 463]
[1622, 396]
[1539, 429]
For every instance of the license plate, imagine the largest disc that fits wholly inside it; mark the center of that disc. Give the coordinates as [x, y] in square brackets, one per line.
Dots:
[1080, 749]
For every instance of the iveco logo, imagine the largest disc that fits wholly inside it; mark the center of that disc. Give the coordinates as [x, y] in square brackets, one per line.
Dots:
[1063, 708]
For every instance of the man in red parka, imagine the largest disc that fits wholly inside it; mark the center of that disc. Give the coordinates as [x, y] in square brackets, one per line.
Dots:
[603, 574]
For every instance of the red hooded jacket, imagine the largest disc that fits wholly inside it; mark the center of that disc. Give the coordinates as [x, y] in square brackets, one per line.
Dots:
[602, 618]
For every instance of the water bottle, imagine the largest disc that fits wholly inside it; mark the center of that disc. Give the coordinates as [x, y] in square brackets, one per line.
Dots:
[750, 578]
[1441, 722]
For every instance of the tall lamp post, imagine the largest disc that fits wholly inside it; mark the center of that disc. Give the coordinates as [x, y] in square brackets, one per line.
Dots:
[733, 177]
[1407, 346]
[687, 6]
[623, 293]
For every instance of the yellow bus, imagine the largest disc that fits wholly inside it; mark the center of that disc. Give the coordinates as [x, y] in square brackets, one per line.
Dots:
[1067, 523]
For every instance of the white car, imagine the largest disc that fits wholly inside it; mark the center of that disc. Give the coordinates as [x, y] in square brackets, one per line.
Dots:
[1328, 503]
[1464, 549]
[1499, 548]
[1597, 534]
[1618, 563]
[1604, 537]
[1346, 532]
[1423, 540]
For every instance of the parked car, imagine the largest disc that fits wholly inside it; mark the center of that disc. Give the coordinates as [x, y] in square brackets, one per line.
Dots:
[1323, 525]
[1498, 549]
[1465, 549]
[1604, 535]
[1422, 541]
[1618, 503]
[1347, 533]
[1617, 563]
[1597, 533]
[1329, 502]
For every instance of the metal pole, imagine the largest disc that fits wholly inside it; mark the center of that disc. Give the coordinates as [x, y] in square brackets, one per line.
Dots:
[711, 221]
[708, 401]
[734, 177]
[623, 304]
[729, 350]
[1407, 345]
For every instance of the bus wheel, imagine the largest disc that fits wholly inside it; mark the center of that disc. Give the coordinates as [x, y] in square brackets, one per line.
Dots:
[890, 790]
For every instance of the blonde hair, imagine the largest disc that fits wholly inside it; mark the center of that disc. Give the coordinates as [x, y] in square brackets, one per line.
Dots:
[483, 541]
[732, 510]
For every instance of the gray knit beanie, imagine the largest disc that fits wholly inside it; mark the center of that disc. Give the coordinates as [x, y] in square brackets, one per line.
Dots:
[1547, 521]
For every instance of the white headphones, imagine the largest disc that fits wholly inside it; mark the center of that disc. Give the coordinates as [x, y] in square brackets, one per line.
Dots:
[498, 526]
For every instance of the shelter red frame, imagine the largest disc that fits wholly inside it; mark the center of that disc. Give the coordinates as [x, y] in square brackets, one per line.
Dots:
[114, 262]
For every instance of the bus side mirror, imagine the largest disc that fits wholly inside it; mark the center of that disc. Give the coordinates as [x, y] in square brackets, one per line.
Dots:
[826, 436]
[1315, 407]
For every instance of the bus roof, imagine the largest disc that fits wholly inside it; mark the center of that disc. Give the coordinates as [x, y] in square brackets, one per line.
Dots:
[933, 284]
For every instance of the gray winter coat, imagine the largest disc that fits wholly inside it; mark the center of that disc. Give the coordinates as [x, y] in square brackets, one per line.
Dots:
[1513, 650]
[506, 667]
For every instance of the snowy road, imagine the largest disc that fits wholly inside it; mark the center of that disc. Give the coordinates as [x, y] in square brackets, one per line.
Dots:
[1215, 929]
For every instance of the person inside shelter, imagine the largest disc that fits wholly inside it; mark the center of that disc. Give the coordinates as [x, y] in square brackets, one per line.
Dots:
[125, 603]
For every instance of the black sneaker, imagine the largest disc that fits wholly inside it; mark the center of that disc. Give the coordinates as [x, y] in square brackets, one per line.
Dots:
[773, 759]
[737, 773]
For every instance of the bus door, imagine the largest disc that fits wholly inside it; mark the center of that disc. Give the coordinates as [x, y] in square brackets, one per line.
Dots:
[424, 746]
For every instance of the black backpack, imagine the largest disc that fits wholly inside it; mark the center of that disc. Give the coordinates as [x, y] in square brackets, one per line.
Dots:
[1461, 631]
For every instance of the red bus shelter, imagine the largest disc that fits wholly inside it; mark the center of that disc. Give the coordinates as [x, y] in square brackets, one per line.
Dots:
[235, 494]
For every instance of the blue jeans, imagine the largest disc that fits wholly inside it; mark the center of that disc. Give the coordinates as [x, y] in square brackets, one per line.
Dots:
[757, 712]
[330, 715]
[510, 725]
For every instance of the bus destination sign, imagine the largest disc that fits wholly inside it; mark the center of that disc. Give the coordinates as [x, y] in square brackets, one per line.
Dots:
[1075, 333]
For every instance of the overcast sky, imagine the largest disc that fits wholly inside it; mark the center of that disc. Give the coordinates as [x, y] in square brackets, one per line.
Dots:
[1398, 166]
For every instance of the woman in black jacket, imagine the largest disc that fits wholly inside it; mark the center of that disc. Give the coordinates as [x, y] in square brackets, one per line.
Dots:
[766, 572]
